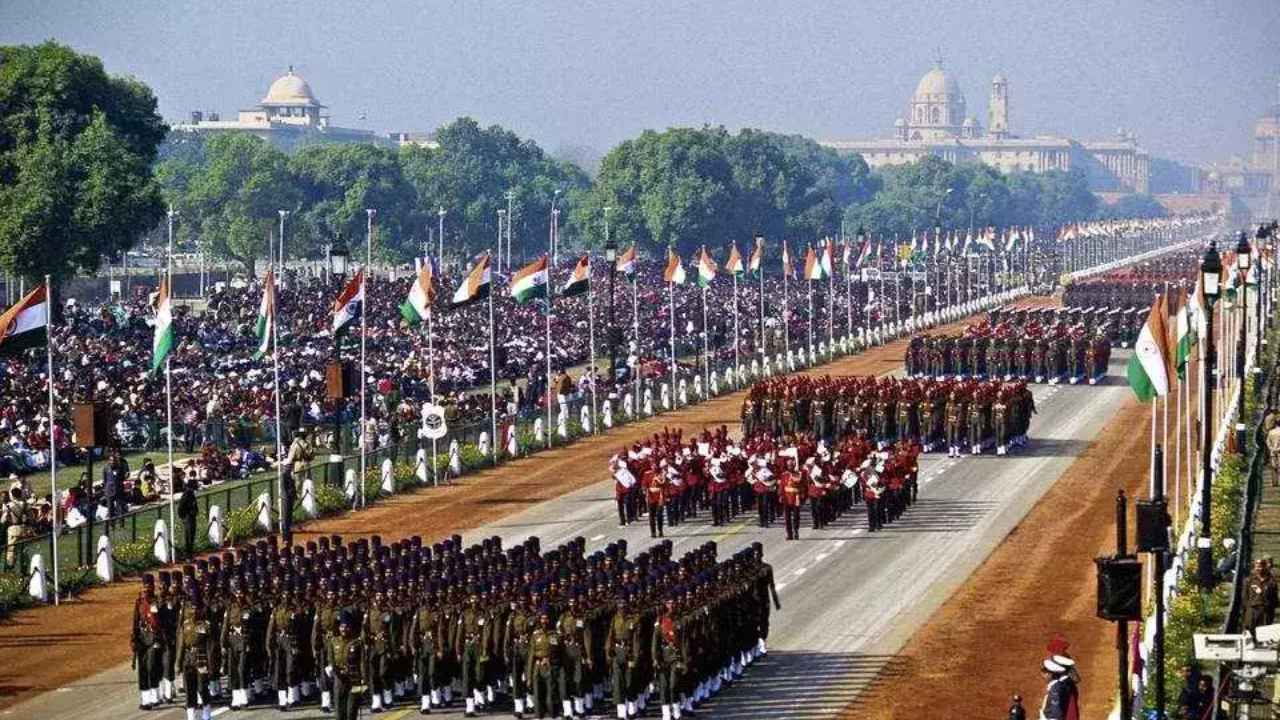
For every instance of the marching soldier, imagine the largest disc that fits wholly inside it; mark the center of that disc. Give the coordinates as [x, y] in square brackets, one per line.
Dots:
[195, 648]
[655, 491]
[324, 626]
[234, 640]
[147, 642]
[470, 639]
[623, 646]
[282, 649]
[576, 638]
[350, 671]
[425, 647]
[793, 496]
[543, 668]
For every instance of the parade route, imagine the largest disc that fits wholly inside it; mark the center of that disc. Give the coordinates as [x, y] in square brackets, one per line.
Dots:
[851, 599]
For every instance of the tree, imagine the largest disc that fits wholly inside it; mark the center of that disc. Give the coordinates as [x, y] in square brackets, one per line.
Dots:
[232, 201]
[1134, 206]
[76, 149]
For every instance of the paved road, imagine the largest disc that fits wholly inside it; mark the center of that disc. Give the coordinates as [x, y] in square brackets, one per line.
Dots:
[850, 599]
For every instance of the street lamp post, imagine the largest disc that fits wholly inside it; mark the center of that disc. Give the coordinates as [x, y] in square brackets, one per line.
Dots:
[338, 259]
[502, 217]
[1210, 273]
[283, 214]
[440, 236]
[1243, 251]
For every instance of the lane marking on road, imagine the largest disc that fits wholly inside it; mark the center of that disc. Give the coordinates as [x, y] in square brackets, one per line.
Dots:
[219, 711]
[801, 571]
[781, 585]
[730, 532]
[840, 543]
[597, 538]
[820, 557]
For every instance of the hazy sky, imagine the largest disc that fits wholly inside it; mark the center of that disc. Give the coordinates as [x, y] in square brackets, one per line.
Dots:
[1189, 77]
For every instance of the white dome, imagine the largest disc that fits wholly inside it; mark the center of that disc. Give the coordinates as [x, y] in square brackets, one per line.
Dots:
[937, 82]
[290, 90]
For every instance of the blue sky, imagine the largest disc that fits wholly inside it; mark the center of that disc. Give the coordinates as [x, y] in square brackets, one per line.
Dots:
[1189, 78]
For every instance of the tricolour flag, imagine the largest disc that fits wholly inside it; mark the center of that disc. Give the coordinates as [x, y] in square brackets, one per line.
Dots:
[1148, 370]
[846, 253]
[987, 239]
[826, 261]
[26, 324]
[675, 271]
[422, 295]
[706, 269]
[864, 253]
[733, 265]
[757, 258]
[580, 280]
[266, 316]
[163, 341]
[475, 286]
[788, 268]
[350, 303]
[1185, 334]
[812, 265]
[627, 261]
[530, 281]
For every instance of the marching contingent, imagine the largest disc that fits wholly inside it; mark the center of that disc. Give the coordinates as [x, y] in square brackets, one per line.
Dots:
[560, 633]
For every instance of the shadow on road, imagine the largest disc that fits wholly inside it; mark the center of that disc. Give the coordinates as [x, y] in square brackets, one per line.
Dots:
[799, 686]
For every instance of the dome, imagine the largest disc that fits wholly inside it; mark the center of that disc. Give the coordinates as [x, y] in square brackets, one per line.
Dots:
[290, 90]
[937, 82]
[999, 79]
[899, 123]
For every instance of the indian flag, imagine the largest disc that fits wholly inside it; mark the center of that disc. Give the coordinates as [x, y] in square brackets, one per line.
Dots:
[475, 286]
[788, 269]
[826, 261]
[1185, 334]
[757, 258]
[1148, 370]
[350, 303]
[26, 325]
[812, 266]
[864, 253]
[675, 271]
[706, 269]
[163, 340]
[627, 261]
[734, 265]
[422, 295]
[580, 280]
[266, 316]
[846, 253]
[530, 281]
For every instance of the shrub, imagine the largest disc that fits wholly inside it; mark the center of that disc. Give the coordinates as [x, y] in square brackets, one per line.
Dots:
[13, 593]
[330, 500]
[132, 557]
[242, 524]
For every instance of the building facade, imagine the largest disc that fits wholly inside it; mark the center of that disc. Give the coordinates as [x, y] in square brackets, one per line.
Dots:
[288, 117]
[938, 124]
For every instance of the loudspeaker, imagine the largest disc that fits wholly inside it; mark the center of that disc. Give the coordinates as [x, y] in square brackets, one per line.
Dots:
[92, 424]
[1119, 588]
[1153, 525]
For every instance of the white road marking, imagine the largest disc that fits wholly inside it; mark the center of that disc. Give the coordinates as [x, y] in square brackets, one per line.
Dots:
[597, 538]
[801, 571]
[219, 711]
[839, 543]
[820, 557]
[781, 585]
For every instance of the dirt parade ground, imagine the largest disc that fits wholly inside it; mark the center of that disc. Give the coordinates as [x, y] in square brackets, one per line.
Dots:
[1013, 540]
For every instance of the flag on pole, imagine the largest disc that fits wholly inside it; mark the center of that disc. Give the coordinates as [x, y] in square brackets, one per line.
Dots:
[266, 316]
[1148, 370]
[788, 269]
[734, 265]
[864, 253]
[348, 306]
[1011, 239]
[580, 280]
[846, 253]
[987, 239]
[530, 281]
[826, 259]
[675, 271]
[26, 324]
[422, 295]
[163, 340]
[706, 269]
[474, 287]
[812, 266]
[757, 258]
[627, 261]
[1185, 333]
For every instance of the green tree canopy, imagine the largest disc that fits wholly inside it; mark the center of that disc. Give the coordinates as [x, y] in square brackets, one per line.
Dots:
[76, 153]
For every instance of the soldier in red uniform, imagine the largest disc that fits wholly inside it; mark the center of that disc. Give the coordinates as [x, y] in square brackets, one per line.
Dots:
[793, 496]
[655, 492]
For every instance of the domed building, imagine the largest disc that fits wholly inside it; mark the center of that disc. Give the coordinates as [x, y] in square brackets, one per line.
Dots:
[938, 123]
[289, 116]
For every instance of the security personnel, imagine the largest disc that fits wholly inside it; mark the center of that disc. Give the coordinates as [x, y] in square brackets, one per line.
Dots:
[282, 649]
[324, 626]
[147, 643]
[670, 656]
[16, 514]
[425, 647]
[350, 671]
[470, 638]
[515, 643]
[382, 631]
[545, 663]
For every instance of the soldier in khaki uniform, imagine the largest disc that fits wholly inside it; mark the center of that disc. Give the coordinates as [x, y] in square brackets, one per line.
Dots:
[16, 514]
[622, 643]
[670, 653]
[545, 663]
[147, 643]
[350, 671]
[515, 643]
[234, 639]
[425, 648]
[282, 649]
[576, 637]
[195, 650]
[469, 640]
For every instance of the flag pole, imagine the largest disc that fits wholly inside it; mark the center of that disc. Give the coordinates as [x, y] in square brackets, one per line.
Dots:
[831, 298]
[809, 293]
[706, 341]
[764, 350]
[53, 454]
[364, 338]
[737, 357]
[786, 306]
[168, 391]
[591, 343]
[671, 304]
[275, 372]
[547, 297]
[493, 382]
[635, 331]
[431, 375]
[848, 301]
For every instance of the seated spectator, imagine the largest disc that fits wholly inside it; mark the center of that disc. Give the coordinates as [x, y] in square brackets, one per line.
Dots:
[146, 486]
[214, 465]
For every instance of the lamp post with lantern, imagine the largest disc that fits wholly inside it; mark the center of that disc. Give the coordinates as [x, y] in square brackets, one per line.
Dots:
[339, 259]
[1210, 275]
[1243, 257]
